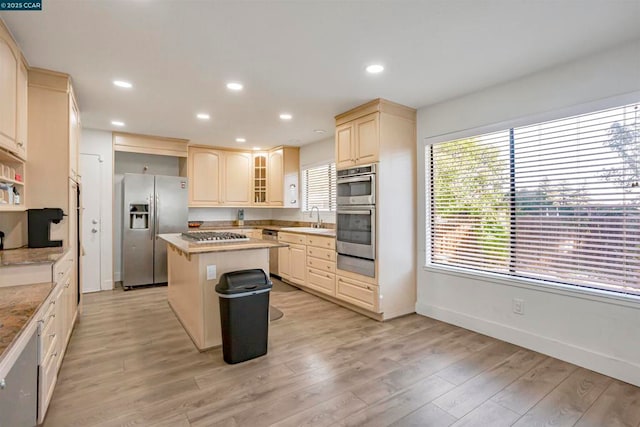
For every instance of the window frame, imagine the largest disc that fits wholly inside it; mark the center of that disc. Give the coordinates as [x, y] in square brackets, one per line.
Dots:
[425, 207]
[332, 190]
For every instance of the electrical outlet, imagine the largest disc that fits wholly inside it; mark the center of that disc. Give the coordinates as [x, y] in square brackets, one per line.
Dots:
[518, 306]
[211, 272]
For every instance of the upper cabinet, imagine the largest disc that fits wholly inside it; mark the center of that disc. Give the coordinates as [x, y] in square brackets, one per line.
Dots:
[22, 110]
[204, 170]
[260, 178]
[357, 141]
[74, 139]
[219, 177]
[9, 59]
[283, 176]
[236, 178]
[366, 131]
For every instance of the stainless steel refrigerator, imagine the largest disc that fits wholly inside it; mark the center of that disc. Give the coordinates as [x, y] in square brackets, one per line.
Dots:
[153, 204]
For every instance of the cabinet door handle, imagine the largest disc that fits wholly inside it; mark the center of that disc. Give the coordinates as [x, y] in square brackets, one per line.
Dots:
[3, 384]
[52, 335]
[20, 144]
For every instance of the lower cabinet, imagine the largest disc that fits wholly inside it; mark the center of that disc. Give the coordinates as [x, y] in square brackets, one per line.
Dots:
[55, 327]
[321, 264]
[292, 259]
[358, 293]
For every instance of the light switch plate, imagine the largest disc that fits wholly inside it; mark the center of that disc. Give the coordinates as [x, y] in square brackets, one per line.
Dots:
[212, 274]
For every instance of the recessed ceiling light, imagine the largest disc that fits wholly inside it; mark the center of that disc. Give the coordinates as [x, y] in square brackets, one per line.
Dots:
[234, 86]
[286, 116]
[122, 83]
[203, 116]
[320, 131]
[257, 148]
[117, 123]
[375, 68]
[241, 140]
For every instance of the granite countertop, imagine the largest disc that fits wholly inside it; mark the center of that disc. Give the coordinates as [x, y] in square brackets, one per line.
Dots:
[27, 256]
[194, 248]
[329, 232]
[18, 304]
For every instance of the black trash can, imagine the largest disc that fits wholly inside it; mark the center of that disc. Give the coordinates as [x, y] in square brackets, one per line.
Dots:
[244, 314]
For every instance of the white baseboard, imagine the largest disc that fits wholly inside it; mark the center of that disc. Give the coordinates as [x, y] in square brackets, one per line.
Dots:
[107, 285]
[605, 364]
[117, 276]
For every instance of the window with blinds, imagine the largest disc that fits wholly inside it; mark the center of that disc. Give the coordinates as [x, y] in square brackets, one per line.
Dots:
[319, 188]
[557, 201]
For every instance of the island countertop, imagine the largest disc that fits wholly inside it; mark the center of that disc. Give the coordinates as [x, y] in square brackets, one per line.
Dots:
[176, 240]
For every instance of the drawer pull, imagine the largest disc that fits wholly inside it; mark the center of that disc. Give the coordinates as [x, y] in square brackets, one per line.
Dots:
[53, 315]
[52, 335]
[3, 384]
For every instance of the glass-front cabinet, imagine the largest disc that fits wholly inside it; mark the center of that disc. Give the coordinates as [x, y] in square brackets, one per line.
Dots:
[259, 178]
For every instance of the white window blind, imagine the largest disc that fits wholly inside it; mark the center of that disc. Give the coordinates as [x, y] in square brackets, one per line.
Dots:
[557, 201]
[319, 187]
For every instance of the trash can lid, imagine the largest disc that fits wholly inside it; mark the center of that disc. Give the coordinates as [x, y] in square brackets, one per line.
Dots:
[242, 281]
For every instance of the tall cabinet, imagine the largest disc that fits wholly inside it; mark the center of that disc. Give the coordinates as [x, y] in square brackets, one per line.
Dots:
[54, 182]
[384, 133]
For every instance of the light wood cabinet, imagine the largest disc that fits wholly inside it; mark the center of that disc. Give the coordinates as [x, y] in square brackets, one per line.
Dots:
[292, 259]
[321, 264]
[22, 111]
[8, 86]
[260, 178]
[357, 142]
[284, 263]
[220, 177]
[282, 177]
[74, 139]
[358, 293]
[384, 133]
[204, 170]
[236, 182]
[297, 260]
[56, 318]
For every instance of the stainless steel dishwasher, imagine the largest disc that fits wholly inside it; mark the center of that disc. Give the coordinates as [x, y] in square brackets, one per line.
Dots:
[269, 234]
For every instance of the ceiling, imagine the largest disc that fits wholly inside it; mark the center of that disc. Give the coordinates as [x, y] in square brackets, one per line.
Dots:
[303, 57]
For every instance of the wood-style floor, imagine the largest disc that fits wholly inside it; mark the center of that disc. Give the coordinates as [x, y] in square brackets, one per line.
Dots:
[130, 363]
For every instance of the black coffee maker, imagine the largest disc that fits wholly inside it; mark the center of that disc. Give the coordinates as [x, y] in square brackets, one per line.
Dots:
[39, 228]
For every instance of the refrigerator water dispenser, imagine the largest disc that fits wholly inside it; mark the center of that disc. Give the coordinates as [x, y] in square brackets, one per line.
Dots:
[139, 216]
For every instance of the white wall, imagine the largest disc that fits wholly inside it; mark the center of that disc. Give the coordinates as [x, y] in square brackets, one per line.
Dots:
[597, 332]
[134, 163]
[317, 153]
[98, 142]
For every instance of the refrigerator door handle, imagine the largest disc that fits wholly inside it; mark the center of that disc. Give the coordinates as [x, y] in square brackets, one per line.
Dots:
[157, 216]
[151, 209]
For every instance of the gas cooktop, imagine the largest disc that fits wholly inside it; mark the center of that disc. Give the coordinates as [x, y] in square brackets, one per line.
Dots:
[213, 237]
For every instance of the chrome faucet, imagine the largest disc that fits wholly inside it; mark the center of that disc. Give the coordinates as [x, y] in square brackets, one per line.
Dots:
[318, 223]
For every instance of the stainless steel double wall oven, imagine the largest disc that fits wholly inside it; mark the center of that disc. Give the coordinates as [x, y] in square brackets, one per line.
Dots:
[356, 219]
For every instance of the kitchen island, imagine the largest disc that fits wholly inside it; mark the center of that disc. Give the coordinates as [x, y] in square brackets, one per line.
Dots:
[193, 272]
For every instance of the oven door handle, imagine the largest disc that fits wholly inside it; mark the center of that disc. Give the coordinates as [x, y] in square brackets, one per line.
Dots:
[355, 212]
[364, 178]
